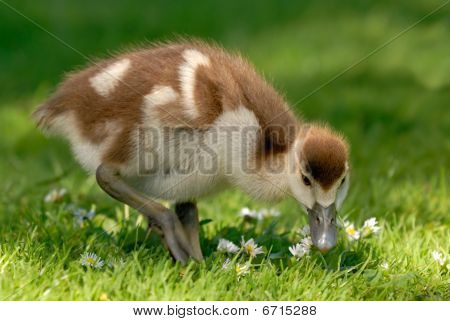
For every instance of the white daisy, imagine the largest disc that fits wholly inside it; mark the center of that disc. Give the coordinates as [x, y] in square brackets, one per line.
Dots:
[438, 257]
[268, 213]
[352, 233]
[55, 195]
[251, 248]
[90, 259]
[226, 264]
[370, 227]
[247, 213]
[259, 215]
[297, 250]
[242, 269]
[307, 243]
[301, 249]
[227, 246]
[384, 265]
[81, 215]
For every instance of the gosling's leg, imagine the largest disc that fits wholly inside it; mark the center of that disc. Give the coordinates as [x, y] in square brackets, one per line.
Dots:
[113, 184]
[188, 214]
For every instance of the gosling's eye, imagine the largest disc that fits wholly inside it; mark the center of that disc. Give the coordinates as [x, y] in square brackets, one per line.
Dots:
[343, 180]
[306, 180]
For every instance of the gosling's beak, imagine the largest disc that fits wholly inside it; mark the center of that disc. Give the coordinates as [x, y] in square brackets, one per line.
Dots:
[322, 223]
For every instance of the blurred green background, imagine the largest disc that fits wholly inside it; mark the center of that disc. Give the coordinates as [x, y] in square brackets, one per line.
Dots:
[394, 107]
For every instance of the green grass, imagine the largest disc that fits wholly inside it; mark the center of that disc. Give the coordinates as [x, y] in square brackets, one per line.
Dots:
[394, 109]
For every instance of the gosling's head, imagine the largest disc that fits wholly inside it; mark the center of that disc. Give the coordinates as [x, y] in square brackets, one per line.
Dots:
[319, 180]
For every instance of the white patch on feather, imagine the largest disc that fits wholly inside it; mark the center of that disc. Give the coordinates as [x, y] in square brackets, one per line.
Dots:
[193, 59]
[221, 148]
[304, 194]
[106, 80]
[239, 154]
[87, 153]
[160, 95]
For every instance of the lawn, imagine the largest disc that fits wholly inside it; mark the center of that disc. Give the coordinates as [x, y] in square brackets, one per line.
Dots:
[393, 107]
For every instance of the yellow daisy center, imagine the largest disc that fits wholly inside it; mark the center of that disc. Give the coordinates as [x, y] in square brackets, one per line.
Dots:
[91, 261]
[350, 230]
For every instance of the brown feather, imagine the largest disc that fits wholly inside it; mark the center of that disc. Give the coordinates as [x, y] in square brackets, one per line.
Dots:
[325, 155]
[229, 82]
